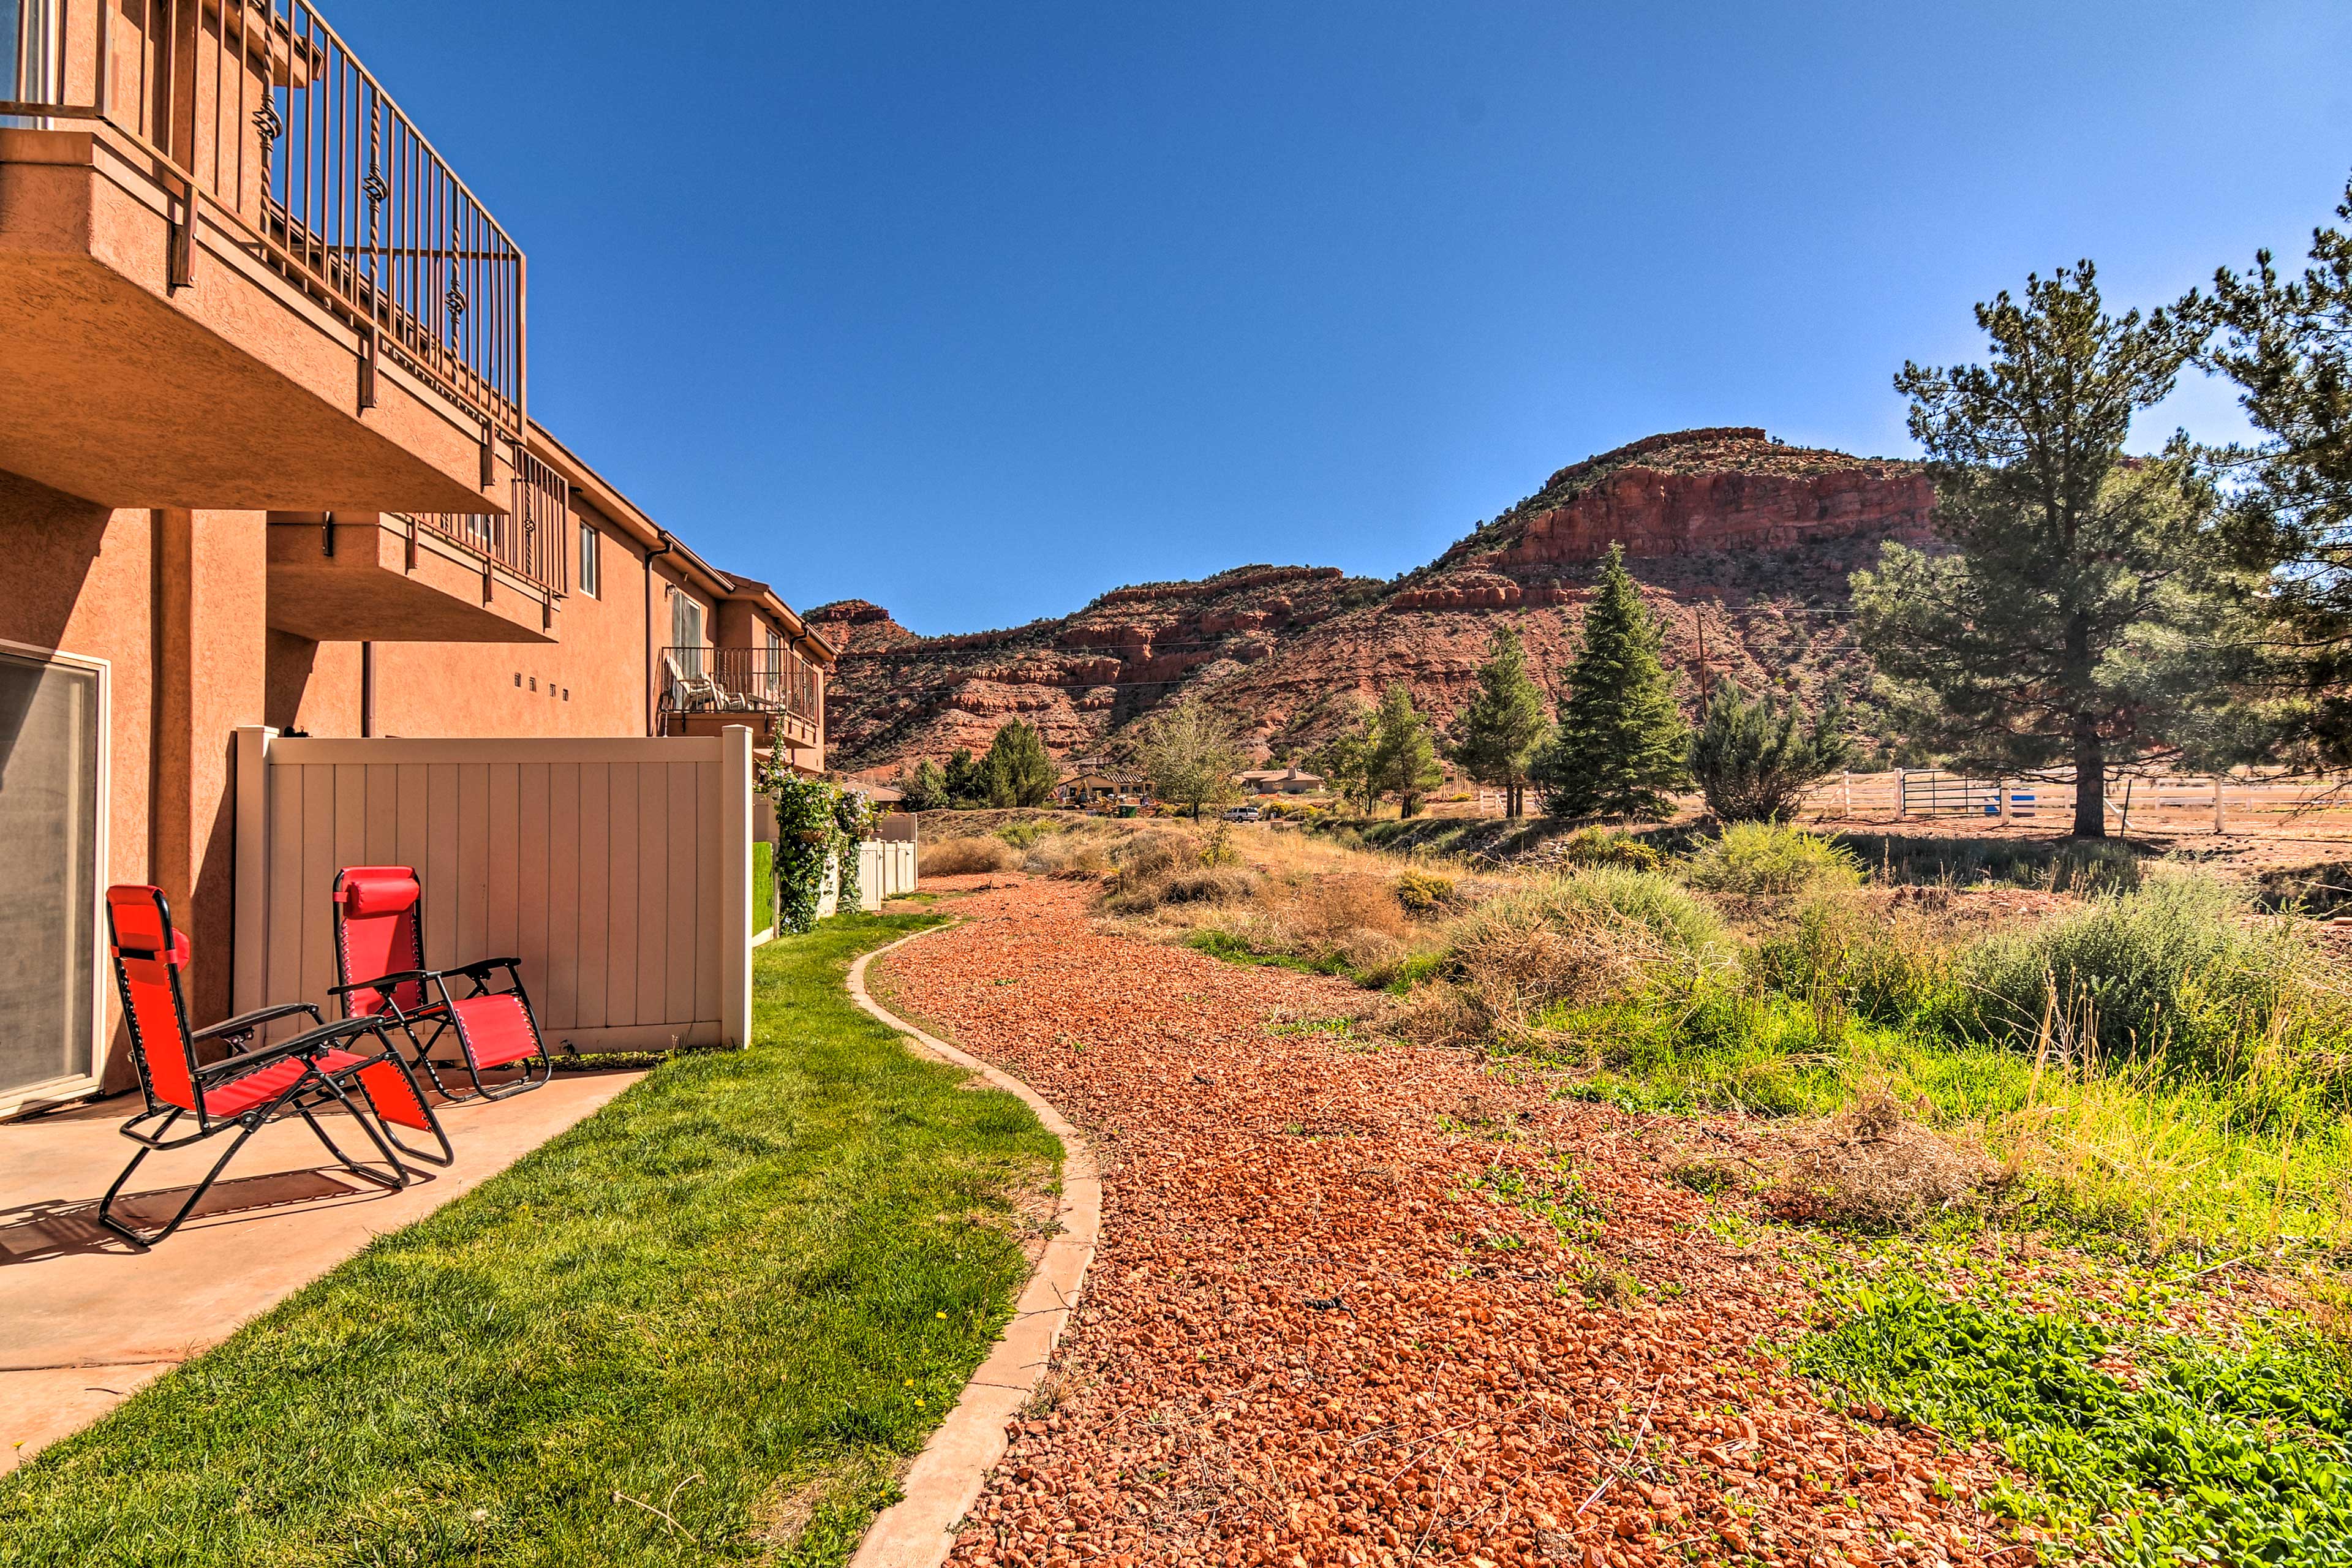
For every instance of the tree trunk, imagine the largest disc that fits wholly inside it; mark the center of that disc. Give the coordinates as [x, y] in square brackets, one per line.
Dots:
[1511, 799]
[2090, 782]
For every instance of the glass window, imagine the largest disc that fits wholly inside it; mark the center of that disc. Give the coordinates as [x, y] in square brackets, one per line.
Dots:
[49, 819]
[591, 583]
[685, 631]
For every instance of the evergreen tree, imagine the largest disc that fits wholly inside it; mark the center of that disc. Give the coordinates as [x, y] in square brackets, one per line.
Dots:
[966, 781]
[1753, 761]
[2081, 618]
[1504, 722]
[1018, 768]
[925, 788]
[1342, 762]
[1401, 759]
[1190, 752]
[1621, 741]
[2287, 342]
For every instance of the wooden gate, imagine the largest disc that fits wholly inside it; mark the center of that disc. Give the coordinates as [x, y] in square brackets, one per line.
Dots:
[618, 870]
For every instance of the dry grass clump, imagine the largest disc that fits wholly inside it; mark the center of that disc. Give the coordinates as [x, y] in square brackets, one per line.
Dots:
[1872, 1165]
[1524, 953]
[1074, 853]
[1161, 867]
[965, 857]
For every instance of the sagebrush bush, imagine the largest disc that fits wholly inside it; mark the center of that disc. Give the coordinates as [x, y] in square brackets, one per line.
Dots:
[2184, 970]
[1423, 893]
[965, 857]
[1025, 833]
[1597, 846]
[1770, 857]
[1839, 953]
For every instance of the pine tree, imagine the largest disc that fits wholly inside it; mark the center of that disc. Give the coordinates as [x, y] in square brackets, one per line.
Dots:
[1505, 722]
[1018, 768]
[1621, 743]
[2082, 617]
[1403, 761]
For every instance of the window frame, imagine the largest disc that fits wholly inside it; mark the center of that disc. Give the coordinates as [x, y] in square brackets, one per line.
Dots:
[591, 576]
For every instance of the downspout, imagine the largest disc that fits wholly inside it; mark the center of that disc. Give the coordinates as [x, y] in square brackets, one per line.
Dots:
[653, 685]
[367, 690]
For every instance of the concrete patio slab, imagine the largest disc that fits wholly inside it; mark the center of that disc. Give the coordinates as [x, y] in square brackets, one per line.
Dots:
[85, 1320]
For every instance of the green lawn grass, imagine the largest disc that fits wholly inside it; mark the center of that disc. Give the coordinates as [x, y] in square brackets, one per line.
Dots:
[738, 1295]
[763, 887]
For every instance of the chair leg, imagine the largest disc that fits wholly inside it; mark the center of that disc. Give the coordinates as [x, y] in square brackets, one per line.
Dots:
[106, 1204]
[399, 1177]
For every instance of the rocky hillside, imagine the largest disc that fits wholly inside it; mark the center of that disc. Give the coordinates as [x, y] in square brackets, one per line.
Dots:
[1742, 546]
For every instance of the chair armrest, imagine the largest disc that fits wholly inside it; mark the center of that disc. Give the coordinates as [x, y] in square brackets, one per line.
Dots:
[386, 984]
[245, 1023]
[307, 1043]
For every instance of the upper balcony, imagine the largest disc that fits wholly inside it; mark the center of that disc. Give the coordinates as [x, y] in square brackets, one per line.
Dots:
[426, 576]
[233, 274]
[774, 691]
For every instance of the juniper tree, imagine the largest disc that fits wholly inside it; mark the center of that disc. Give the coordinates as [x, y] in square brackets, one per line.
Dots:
[1504, 722]
[966, 780]
[1018, 768]
[2080, 616]
[926, 787]
[1619, 747]
[1754, 761]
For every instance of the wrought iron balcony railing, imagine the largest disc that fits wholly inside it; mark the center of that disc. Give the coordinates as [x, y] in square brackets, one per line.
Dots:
[533, 540]
[259, 110]
[740, 681]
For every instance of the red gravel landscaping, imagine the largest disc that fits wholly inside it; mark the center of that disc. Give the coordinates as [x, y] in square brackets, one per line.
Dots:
[1344, 1306]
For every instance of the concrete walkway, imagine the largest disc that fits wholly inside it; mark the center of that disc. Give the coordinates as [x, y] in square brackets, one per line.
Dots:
[85, 1320]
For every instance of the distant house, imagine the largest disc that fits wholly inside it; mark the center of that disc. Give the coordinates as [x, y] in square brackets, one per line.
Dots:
[1279, 781]
[1092, 787]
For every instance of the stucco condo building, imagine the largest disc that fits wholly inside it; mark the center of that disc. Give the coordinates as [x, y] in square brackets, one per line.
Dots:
[267, 459]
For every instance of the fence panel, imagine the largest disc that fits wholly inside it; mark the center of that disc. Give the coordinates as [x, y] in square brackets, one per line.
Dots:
[618, 870]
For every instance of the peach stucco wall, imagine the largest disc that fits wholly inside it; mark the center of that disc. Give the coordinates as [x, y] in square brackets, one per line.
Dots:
[173, 602]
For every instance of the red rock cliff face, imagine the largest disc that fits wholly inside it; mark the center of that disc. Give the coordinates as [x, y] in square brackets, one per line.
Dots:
[1742, 546]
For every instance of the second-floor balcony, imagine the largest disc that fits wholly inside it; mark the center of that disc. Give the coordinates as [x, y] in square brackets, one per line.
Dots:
[780, 694]
[235, 274]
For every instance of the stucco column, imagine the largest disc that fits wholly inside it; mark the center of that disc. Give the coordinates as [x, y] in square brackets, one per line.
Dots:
[211, 610]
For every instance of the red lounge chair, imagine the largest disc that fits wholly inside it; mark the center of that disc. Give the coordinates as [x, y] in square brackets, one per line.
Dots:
[248, 1086]
[380, 933]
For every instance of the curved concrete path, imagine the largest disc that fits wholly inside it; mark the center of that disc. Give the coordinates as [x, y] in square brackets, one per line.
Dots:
[945, 1478]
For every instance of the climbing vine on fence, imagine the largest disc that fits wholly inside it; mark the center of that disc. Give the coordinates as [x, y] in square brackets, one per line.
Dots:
[816, 822]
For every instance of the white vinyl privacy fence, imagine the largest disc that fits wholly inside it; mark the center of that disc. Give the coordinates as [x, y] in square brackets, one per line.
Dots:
[619, 871]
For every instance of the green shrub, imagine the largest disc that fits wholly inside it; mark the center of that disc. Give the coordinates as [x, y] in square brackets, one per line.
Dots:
[1599, 846]
[1027, 835]
[2105, 866]
[1772, 857]
[2183, 970]
[1840, 954]
[1423, 893]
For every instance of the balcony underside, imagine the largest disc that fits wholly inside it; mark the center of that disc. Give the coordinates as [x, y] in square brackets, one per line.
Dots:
[235, 391]
[768, 729]
[368, 589]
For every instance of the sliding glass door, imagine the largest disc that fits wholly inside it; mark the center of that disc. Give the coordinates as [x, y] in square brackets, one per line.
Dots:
[51, 729]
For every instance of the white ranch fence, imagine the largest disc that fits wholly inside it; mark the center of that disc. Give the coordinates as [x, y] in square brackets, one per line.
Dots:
[619, 871]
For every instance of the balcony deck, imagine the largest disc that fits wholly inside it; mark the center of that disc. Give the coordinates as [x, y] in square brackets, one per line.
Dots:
[233, 274]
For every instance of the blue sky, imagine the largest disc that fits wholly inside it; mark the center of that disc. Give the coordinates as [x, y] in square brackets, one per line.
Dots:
[978, 310]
